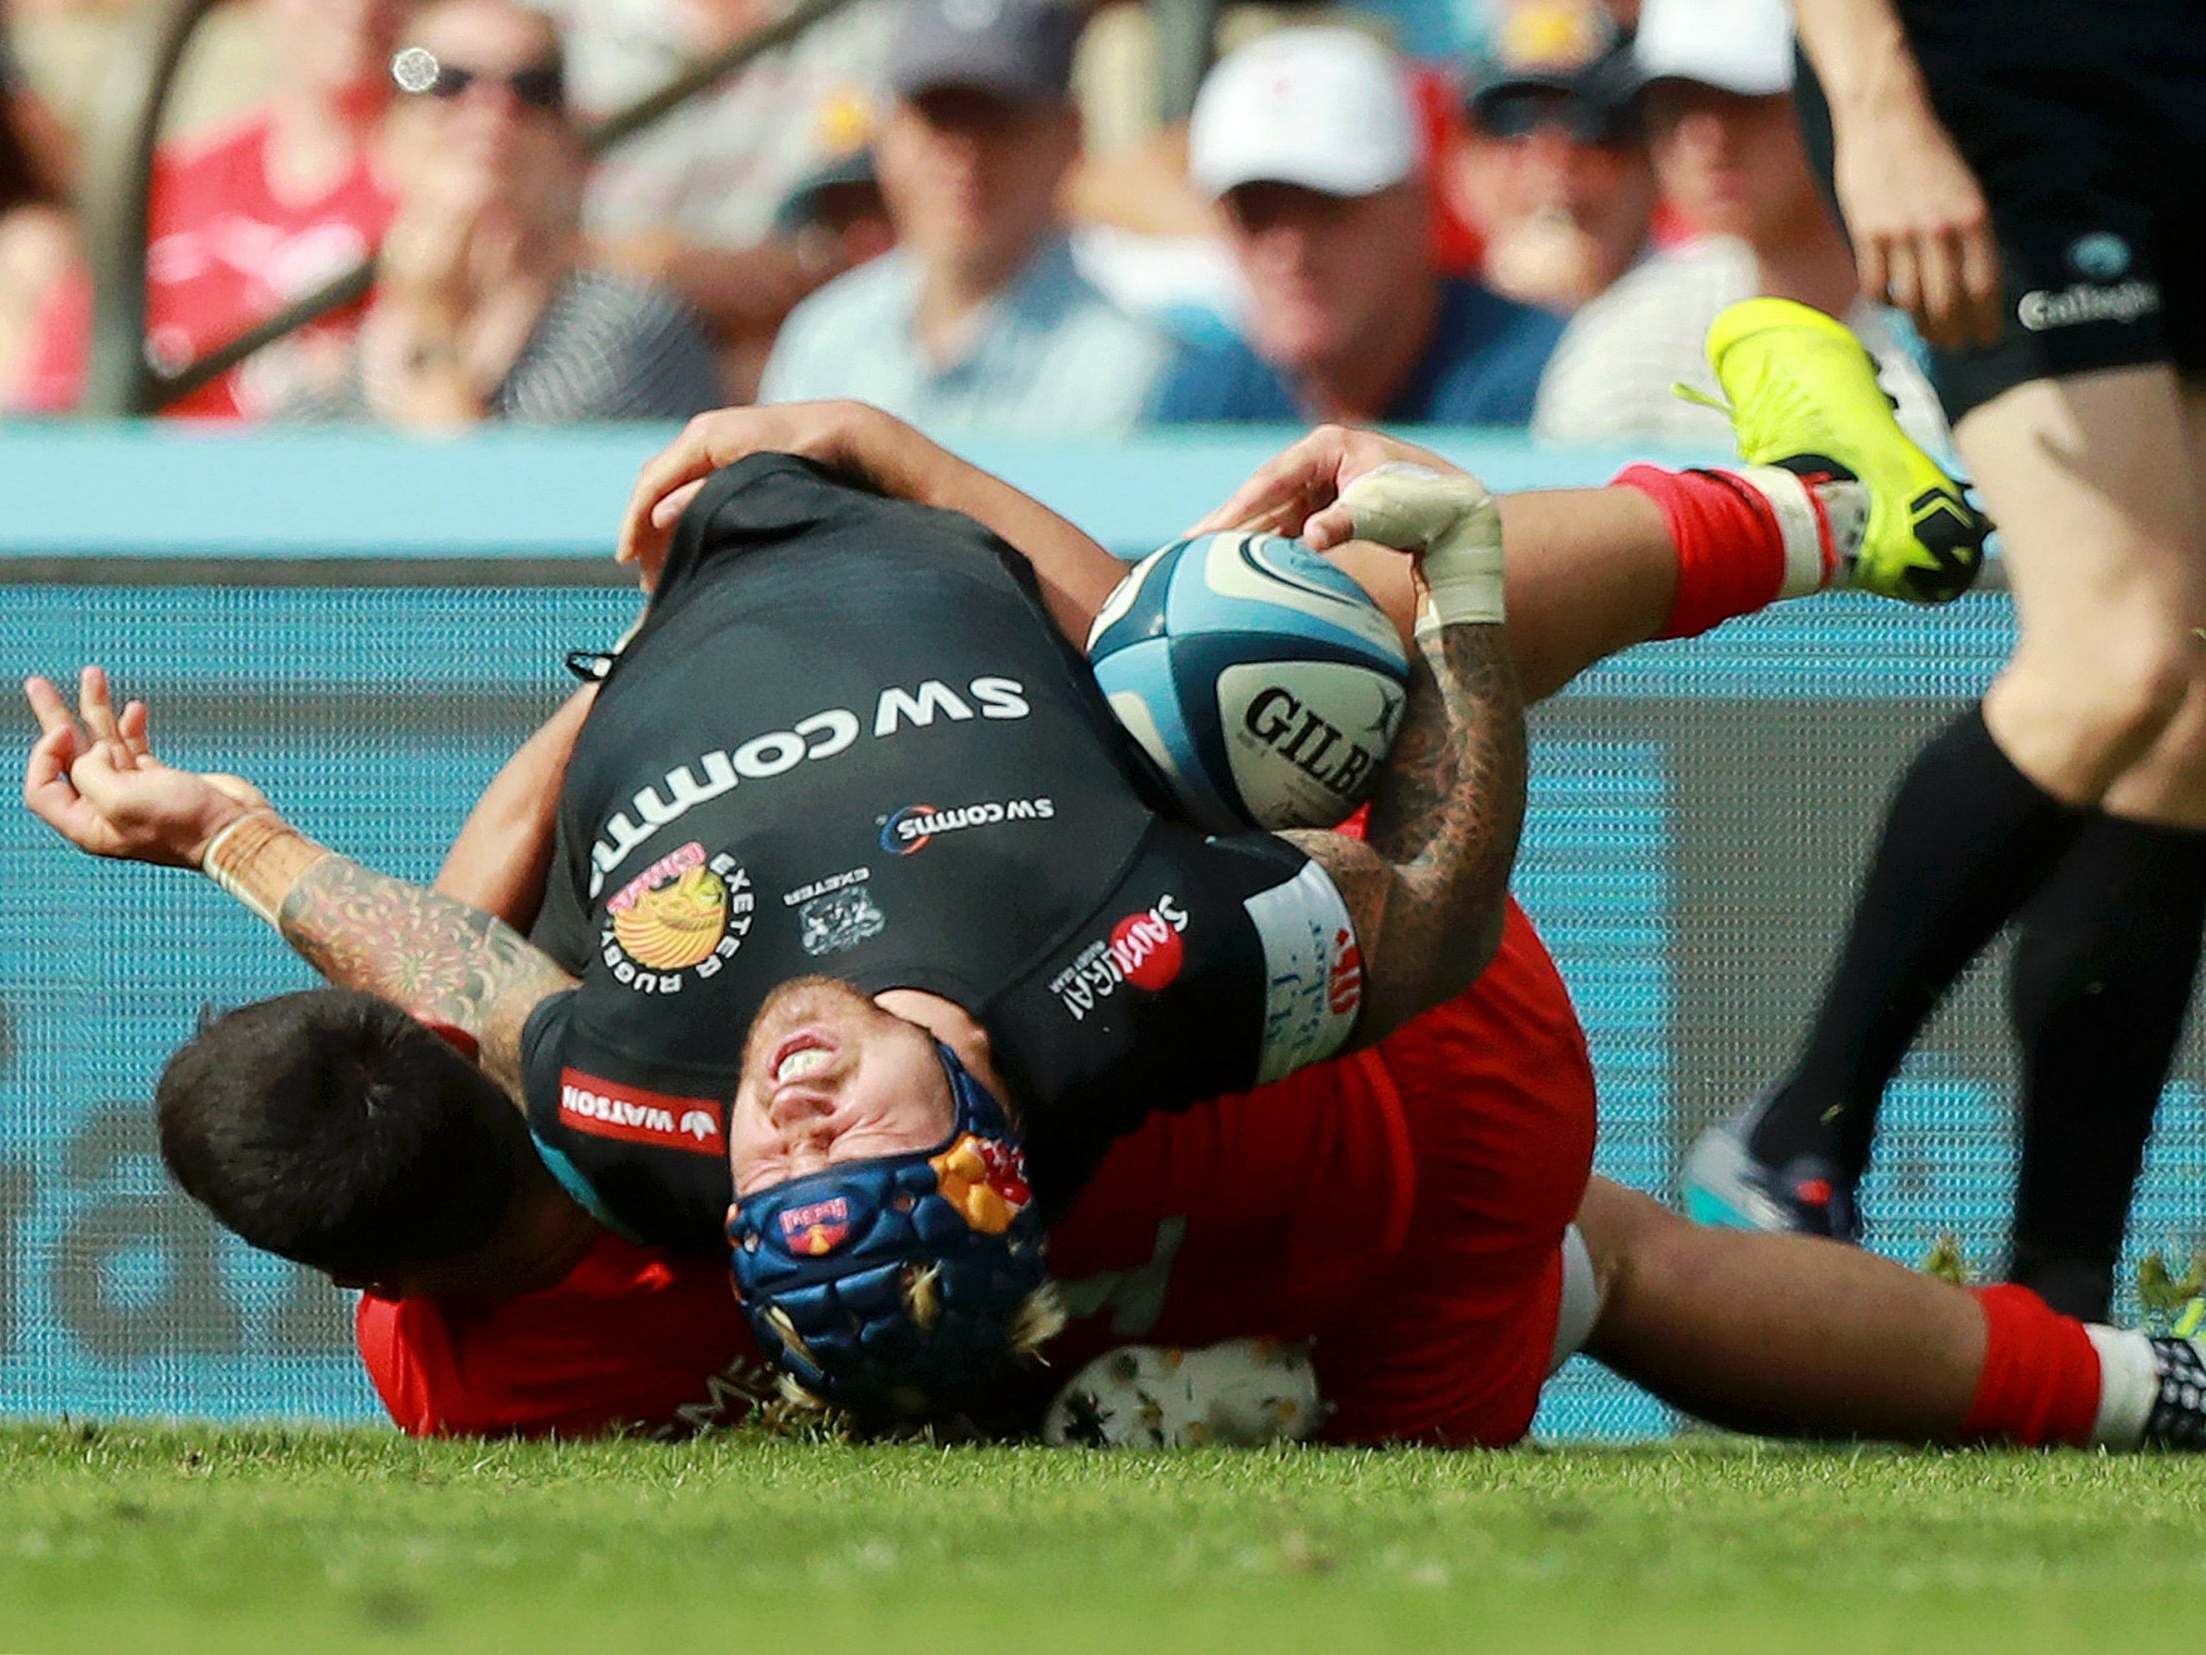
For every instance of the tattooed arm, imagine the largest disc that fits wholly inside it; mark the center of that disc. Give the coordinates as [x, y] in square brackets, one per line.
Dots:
[502, 857]
[1427, 888]
[440, 959]
[99, 786]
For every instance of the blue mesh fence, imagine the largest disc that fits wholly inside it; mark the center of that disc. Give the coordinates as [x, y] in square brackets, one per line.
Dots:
[1699, 814]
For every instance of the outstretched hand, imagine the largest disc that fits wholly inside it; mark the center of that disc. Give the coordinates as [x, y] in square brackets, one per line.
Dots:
[99, 785]
[1299, 492]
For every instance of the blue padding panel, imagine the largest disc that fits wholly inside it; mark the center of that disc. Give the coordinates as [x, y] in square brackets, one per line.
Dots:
[166, 490]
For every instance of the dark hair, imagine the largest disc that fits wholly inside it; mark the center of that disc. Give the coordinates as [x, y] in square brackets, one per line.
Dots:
[333, 1129]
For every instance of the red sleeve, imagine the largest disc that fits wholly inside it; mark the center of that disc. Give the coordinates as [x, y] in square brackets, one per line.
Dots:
[630, 1340]
[401, 1345]
[1458, 247]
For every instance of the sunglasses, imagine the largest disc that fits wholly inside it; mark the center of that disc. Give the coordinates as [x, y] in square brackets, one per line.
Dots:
[420, 73]
[1521, 112]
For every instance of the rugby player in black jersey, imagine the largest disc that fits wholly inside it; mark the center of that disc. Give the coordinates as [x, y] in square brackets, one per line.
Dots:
[720, 875]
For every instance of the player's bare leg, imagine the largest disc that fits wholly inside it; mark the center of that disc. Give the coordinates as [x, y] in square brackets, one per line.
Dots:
[1656, 554]
[1777, 1334]
[1591, 572]
[1823, 502]
[1796, 1336]
[2104, 535]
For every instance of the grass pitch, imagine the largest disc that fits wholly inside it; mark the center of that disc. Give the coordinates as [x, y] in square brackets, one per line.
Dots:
[217, 1539]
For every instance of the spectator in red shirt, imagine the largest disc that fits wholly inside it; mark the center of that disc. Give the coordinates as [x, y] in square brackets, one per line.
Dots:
[244, 221]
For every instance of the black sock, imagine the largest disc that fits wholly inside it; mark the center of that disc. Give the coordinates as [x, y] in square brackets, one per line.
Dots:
[2102, 980]
[1965, 842]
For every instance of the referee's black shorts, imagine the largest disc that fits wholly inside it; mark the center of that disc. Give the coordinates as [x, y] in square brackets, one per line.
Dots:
[2085, 121]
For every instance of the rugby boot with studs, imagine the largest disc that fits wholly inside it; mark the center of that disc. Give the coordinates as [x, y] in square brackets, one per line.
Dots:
[1727, 1185]
[1241, 1393]
[2175, 1417]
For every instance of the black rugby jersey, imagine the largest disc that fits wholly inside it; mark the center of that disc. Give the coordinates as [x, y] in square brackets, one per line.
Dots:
[848, 740]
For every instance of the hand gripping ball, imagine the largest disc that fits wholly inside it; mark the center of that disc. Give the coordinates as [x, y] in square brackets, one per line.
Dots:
[1263, 681]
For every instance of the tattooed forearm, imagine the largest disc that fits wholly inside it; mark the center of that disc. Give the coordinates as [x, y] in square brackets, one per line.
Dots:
[440, 959]
[1445, 816]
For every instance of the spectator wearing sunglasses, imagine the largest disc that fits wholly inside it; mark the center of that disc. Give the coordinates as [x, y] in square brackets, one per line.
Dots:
[1726, 145]
[1553, 166]
[245, 220]
[1308, 142]
[483, 309]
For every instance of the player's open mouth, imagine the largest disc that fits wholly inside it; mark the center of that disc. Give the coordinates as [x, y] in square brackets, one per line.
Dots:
[801, 1055]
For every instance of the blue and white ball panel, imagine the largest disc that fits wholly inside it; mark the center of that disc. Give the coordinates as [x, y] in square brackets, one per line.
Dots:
[1135, 608]
[1137, 683]
[1264, 583]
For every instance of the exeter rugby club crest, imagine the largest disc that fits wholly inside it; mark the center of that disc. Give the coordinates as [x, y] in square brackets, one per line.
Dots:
[684, 916]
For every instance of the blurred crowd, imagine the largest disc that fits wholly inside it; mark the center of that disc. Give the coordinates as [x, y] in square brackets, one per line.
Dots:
[1505, 212]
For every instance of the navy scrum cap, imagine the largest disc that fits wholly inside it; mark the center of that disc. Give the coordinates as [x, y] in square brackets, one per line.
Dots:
[889, 1285]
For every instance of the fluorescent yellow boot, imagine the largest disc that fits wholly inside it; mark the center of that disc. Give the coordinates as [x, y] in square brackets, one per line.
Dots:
[1804, 395]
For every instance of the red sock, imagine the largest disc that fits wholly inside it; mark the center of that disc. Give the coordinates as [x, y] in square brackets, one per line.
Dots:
[1730, 549]
[2040, 1384]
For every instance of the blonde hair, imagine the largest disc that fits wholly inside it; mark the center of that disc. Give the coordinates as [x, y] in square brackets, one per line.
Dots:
[1039, 1319]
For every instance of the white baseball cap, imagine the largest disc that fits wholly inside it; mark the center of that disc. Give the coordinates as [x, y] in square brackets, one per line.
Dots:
[1742, 46]
[1328, 109]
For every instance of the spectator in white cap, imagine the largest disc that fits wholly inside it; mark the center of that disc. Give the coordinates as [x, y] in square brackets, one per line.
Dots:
[1308, 142]
[978, 318]
[1727, 152]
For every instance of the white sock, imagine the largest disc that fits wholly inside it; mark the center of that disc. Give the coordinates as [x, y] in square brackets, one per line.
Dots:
[1820, 524]
[2129, 1385]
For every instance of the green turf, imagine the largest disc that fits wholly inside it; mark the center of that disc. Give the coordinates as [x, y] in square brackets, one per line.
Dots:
[198, 1539]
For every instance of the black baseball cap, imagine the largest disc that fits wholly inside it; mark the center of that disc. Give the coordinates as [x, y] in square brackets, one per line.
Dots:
[1020, 50]
[1556, 55]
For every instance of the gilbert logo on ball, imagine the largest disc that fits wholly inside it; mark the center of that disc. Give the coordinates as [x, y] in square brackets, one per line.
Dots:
[1263, 681]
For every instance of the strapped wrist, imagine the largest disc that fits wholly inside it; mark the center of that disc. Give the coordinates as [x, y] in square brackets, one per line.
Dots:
[1454, 526]
[1460, 586]
[239, 851]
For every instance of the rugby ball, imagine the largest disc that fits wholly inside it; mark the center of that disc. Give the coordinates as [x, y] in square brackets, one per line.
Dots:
[1263, 681]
